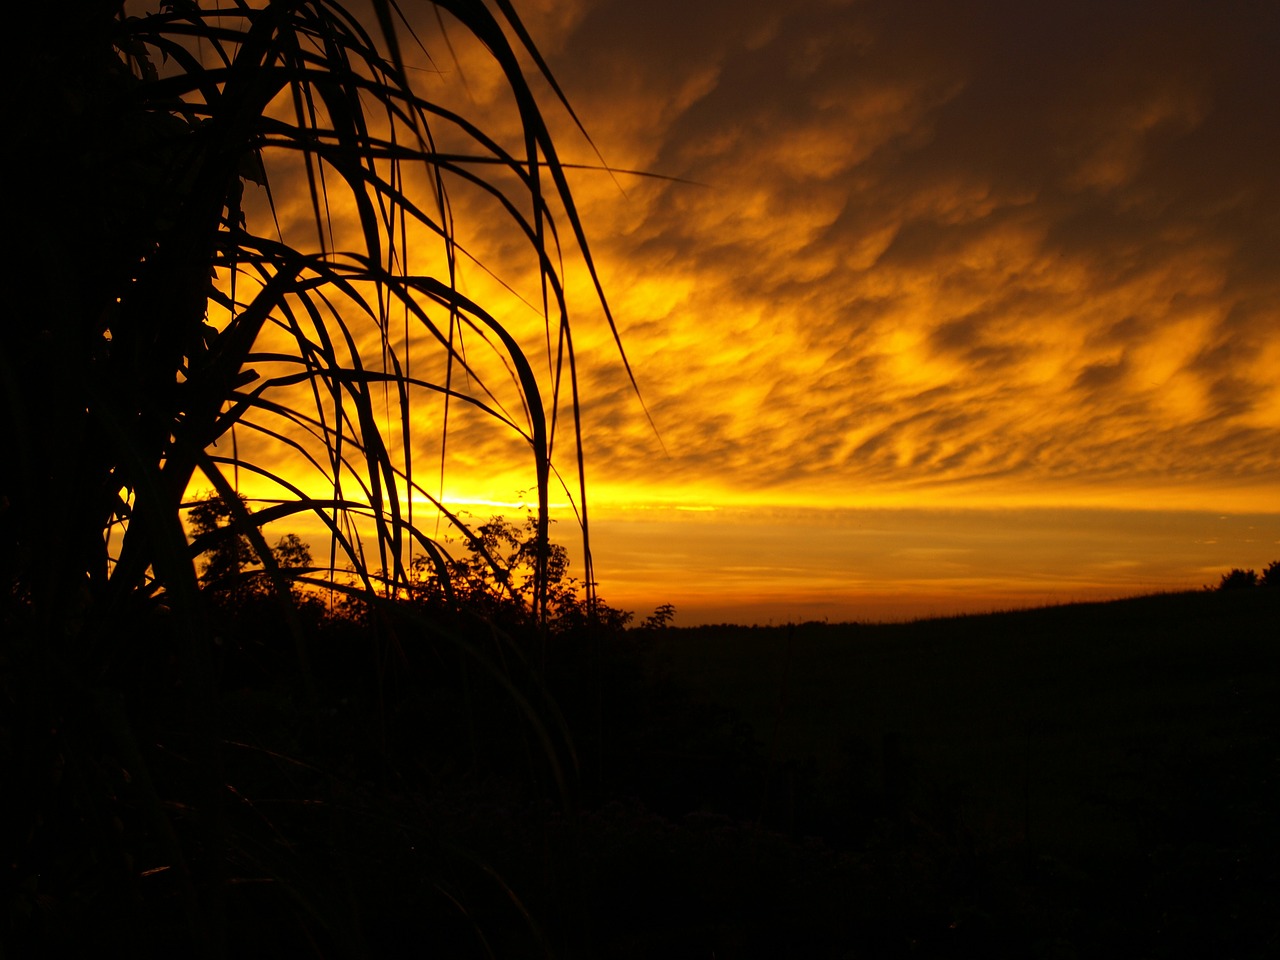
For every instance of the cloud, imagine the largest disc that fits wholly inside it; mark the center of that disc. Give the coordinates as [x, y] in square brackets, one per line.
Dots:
[938, 243]
[1016, 249]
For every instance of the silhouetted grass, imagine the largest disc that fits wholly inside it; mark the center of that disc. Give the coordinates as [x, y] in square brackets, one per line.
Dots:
[187, 777]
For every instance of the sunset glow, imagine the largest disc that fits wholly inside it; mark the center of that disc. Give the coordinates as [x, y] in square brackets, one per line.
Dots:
[939, 307]
[646, 478]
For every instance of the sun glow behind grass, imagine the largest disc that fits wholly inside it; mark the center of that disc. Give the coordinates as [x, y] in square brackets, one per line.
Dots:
[871, 309]
[778, 563]
[889, 553]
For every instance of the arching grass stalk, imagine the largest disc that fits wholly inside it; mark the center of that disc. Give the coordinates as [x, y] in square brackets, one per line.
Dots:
[165, 117]
[165, 316]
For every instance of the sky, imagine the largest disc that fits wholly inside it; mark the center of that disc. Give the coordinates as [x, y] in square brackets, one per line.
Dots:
[932, 307]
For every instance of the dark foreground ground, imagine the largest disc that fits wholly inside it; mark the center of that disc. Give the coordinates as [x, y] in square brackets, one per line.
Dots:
[1086, 780]
[1097, 780]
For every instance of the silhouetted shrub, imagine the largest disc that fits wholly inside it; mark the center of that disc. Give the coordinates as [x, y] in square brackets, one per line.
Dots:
[1271, 575]
[661, 617]
[1238, 579]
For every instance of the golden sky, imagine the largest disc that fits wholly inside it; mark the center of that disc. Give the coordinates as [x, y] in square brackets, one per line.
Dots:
[949, 305]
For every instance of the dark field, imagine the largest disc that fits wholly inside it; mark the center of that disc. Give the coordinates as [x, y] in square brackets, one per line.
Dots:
[1087, 780]
[1084, 781]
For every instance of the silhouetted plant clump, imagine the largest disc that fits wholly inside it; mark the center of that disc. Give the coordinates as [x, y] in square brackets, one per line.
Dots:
[196, 758]
[498, 578]
[1271, 576]
[1239, 579]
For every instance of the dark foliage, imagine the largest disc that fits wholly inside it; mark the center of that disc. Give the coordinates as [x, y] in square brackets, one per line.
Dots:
[1271, 575]
[199, 765]
[1238, 579]
[499, 577]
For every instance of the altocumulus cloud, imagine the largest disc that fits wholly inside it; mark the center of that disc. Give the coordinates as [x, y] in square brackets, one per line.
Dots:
[937, 244]
[929, 247]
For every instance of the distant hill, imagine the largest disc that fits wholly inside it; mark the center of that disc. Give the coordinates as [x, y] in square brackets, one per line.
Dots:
[966, 678]
[1120, 760]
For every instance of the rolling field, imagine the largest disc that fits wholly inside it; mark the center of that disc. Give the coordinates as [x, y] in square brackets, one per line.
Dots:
[1119, 761]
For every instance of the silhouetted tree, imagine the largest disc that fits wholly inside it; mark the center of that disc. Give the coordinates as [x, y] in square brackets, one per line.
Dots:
[1271, 575]
[1238, 579]
[497, 578]
[227, 553]
[661, 617]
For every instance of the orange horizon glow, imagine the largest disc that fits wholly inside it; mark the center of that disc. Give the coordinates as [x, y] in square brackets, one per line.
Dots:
[1003, 280]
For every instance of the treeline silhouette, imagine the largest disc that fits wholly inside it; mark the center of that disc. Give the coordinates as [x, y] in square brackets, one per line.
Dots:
[1240, 579]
